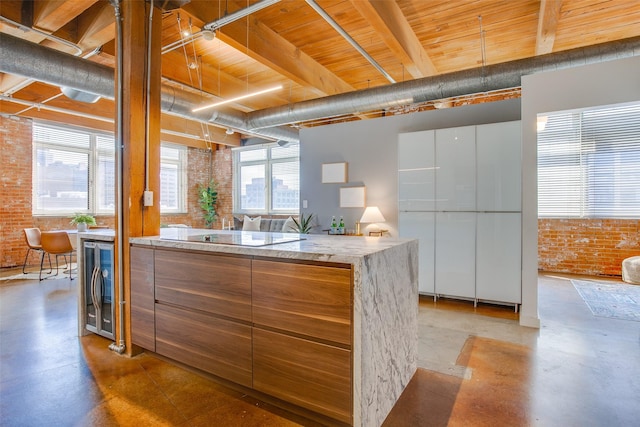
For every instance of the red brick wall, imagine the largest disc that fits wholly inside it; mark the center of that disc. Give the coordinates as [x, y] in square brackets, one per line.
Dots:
[204, 164]
[15, 194]
[587, 246]
[15, 176]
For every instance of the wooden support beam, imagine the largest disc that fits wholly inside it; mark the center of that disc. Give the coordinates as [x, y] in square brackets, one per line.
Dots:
[547, 25]
[141, 152]
[267, 47]
[51, 15]
[393, 27]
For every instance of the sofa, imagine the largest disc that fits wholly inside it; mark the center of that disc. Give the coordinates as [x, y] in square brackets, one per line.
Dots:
[266, 224]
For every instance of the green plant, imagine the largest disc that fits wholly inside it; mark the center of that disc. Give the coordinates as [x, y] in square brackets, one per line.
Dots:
[303, 224]
[208, 197]
[81, 218]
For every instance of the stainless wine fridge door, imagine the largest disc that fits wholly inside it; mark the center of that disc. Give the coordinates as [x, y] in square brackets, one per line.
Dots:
[98, 288]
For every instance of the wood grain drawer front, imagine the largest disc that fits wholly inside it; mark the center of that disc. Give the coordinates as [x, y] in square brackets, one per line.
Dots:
[217, 346]
[311, 300]
[311, 375]
[212, 283]
[142, 298]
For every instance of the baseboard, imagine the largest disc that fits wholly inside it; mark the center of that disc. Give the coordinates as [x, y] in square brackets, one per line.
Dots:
[531, 322]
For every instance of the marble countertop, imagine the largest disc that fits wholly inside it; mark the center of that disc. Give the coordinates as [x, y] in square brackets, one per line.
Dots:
[104, 234]
[317, 247]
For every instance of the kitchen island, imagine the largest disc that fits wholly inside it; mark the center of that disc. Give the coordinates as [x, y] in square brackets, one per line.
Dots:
[326, 323]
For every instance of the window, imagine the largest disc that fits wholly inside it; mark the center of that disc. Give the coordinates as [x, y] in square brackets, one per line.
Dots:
[74, 171]
[589, 163]
[173, 178]
[267, 179]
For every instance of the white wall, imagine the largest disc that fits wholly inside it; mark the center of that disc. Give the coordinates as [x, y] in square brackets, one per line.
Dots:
[606, 83]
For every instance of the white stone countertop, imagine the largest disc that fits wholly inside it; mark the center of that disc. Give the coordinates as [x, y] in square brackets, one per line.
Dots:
[105, 234]
[316, 247]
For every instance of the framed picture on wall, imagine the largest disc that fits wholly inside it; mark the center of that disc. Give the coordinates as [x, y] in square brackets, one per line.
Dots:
[352, 197]
[334, 173]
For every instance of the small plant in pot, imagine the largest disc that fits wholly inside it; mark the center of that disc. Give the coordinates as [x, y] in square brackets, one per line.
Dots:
[303, 225]
[83, 221]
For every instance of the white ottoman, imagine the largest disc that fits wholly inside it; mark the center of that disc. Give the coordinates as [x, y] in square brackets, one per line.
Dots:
[631, 270]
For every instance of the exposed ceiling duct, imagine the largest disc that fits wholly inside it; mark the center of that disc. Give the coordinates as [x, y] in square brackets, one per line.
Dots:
[57, 68]
[477, 80]
[54, 67]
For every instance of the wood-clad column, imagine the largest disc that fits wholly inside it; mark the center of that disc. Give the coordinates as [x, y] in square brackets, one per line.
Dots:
[141, 154]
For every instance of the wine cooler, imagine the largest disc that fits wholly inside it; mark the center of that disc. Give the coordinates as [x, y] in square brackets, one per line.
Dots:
[98, 288]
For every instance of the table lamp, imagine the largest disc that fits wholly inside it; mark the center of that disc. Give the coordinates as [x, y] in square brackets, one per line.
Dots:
[371, 215]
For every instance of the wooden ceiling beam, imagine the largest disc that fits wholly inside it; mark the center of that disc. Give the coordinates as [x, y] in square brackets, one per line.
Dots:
[96, 27]
[548, 18]
[267, 47]
[51, 15]
[175, 124]
[390, 23]
[214, 82]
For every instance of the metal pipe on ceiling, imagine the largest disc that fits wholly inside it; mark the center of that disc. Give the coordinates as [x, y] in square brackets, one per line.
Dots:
[477, 80]
[348, 38]
[57, 39]
[57, 68]
[50, 66]
[239, 14]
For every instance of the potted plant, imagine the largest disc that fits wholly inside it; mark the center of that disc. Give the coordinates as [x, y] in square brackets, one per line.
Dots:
[82, 221]
[208, 197]
[303, 224]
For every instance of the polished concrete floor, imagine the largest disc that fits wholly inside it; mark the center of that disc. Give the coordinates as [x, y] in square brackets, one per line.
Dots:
[478, 368]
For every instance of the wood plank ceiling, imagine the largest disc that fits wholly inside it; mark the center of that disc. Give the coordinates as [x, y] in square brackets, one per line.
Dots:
[290, 44]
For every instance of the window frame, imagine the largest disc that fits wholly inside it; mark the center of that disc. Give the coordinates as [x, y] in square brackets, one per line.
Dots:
[268, 163]
[95, 155]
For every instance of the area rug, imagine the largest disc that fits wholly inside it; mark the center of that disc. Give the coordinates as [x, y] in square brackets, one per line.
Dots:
[34, 275]
[613, 300]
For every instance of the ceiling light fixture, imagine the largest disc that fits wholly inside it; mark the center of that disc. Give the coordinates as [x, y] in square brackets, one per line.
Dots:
[79, 95]
[208, 35]
[238, 98]
[229, 131]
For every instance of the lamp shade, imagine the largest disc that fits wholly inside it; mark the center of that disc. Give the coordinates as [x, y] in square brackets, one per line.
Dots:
[372, 214]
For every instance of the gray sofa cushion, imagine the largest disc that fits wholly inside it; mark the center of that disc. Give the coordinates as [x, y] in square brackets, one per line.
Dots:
[266, 224]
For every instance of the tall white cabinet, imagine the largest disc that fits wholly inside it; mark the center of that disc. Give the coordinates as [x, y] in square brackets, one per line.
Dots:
[460, 195]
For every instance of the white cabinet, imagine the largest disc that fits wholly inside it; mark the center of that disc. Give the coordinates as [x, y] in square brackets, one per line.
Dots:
[416, 171]
[498, 259]
[498, 154]
[459, 193]
[456, 169]
[455, 254]
[421, 226]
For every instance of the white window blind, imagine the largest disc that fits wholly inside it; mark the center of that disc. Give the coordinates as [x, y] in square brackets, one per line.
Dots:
[589, 163]
[61, 170]
[285, 178]
[267, 179]
[173, 178]
[74, 171]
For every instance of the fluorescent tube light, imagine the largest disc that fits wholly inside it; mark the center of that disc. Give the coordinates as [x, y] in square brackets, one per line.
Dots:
[238, 98]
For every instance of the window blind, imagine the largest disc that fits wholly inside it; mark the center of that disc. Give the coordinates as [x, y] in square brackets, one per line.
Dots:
[74, 171]
[285, 178]
[267, 179]
[589, 163]
[61, 170]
